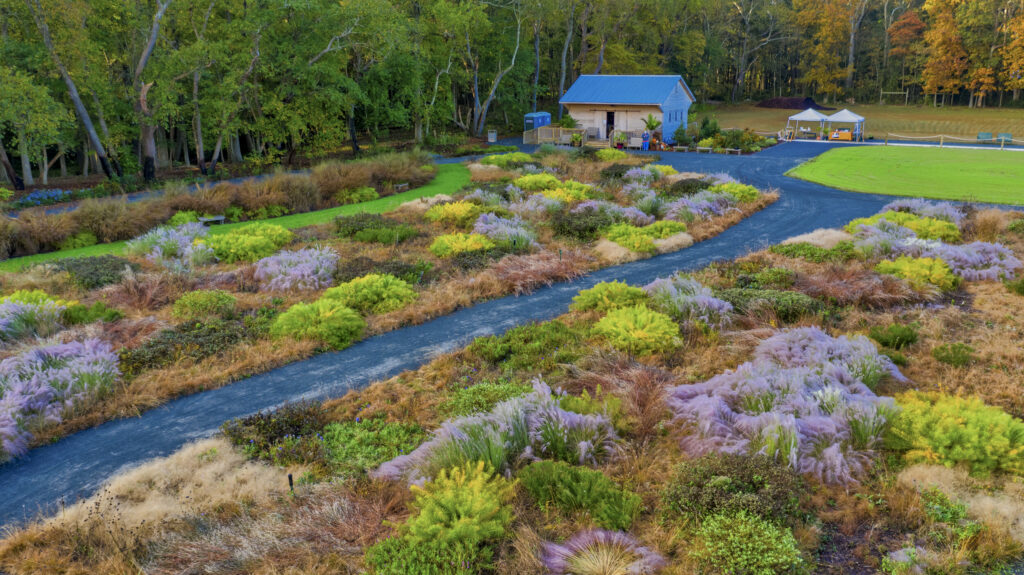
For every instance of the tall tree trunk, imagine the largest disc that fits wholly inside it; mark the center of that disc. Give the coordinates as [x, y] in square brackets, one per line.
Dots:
[743, 57]
[26, 163]
[584, 37]
[536, 60]
[83, 115]
[86, 158]
[63, 162]
[183, 142]
[236, 149]
[147, 131]
[569, 27]
[147, 142]
[600, 55]
[197, 125]
[44, 168]
[5, 162]
[352, 129]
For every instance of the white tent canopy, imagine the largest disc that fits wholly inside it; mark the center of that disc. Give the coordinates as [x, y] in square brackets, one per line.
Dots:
[810, 115]
[846, 116]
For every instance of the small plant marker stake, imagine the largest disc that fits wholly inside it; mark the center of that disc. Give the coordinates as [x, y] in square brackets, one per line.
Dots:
[291, 484]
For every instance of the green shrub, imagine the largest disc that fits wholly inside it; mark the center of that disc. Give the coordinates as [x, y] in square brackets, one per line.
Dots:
[727, 483]
[203, 304]
[788, 306]
[894, 336]
[267, 212]
[685, 187]
[842, 252]
[461, 214]
[1015, 286]
[95, 271]
[193, 340]
[574, 489]
[611, 155]
[1016, 226]
[638, 330]
[448, 245]
[322, 320]
[355, 446]
[373, 293]
[584, 226]
[537, 182]
[356, 195]
[768, 278]
[373, 228]
[396, 556]
[77, 314]
[741, 543]
[898, 358]
[183, 217]
[955, 354]
[920, 272]
[539, 347]
[248, 243]
[480, 397]
[952, 431]
[924, 228]
[392, 235]
[642, 239]
[615, 171]
[506, 161]
[742, 192]
[607, 296]
[288, 435]
[79, 240]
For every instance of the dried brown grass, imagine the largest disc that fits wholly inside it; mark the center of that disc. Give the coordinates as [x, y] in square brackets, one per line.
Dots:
[854, 284]
[299, 192]
[823, 238]
[524, 273]
[147, 291]
[482, 173]
[40, 231]
[673, 243]
[459, 291]
[611, 253]
[209, 200]
[333, 177]
[987, 225]
[113, 219]
[255, 194]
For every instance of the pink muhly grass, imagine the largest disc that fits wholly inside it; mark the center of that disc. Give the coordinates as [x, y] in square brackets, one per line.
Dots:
[600, 551]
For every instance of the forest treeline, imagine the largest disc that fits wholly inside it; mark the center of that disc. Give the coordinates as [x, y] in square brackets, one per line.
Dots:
[133, 83]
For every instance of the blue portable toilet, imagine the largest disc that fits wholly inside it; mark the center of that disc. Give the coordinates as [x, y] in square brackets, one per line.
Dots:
[536, 120]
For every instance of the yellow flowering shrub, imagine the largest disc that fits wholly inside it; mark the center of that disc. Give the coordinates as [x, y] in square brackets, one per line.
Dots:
[920, 272]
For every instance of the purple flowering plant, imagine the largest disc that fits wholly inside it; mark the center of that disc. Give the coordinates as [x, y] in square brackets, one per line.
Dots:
[306, 269]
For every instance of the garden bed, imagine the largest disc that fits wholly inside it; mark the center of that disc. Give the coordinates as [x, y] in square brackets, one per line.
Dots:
[821, 406]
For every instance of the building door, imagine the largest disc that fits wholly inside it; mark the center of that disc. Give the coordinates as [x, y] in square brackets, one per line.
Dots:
[609, 124]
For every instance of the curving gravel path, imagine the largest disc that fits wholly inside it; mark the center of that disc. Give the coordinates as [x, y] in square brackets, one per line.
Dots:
[77, 465]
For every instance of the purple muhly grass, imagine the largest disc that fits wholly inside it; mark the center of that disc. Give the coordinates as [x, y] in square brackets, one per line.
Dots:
[600, 551]
[19, 320]
[306, 269]
[484, 198]
[722, 178]
[801, 400]
[41, 383]
[623, 214]
[702, 205]
[641, 174]
[976, 261]
[926, 209]
[687, 301]
[173, 247]
[537, 205]
[882, 238]
[512, 231]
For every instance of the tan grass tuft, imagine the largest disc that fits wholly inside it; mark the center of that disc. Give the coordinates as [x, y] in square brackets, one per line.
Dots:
[612, 253]
[823, 238]
[674, 243]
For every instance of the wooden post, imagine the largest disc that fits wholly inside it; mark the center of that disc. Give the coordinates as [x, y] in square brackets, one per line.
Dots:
[887, 138]
[941, 140]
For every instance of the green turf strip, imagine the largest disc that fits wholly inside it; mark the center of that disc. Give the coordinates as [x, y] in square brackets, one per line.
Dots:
[450, 178]
[991, 176]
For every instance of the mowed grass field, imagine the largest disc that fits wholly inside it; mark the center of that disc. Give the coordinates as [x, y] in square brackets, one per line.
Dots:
[916, 121]
[450, 179]
[938, 173]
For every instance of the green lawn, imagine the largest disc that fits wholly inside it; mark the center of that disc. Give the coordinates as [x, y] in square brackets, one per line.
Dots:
[937, 173]
[450, 178]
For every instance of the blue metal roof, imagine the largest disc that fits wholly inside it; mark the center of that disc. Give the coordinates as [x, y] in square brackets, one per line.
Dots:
[602, 89]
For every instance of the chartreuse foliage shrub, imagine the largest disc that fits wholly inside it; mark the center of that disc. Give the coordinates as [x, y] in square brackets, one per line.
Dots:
[453, 244]
[248, 243]
[372, 293]
[842, 252]
[77, 313]
[202, 304]
[538, 347]
[663, 169]
[480, 397]
[611, 155]
[79, 240]
[924, 228]
[505, 161]
[183, 217]
[920, 272]
[743, 543]
[356, 195]
[642, 239]
[575, 489]
[324, 320]
[607, 296]
[952, 431]
[727, 483]
[638, 330]
[537, 182]
[459, 515]
[742, 192]
[355, 446]
[458, 214]
[569, 192]
[894, 336]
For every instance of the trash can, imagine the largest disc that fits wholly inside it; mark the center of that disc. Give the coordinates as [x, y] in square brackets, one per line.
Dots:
[492, 136]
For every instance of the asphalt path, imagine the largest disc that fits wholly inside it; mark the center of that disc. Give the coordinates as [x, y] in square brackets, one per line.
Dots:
[77, 465]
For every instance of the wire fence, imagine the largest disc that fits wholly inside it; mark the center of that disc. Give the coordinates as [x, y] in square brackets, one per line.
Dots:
[1001, 140]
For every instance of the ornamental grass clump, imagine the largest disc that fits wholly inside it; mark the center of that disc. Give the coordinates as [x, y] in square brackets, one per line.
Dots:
[19, 320]
[805, 401]
[176, 248]
[306, 269]
[600, 552]
[510, 233]
[536, 206]
[372, 293]
[617, 213]
[40, 385]
[894, 336]
[204, 304]
[925, 209]
[685, 300]
[607, 296]
[449, 245]
[638, 330]
[573, 489]
[920, 272]
[957, 431]
[700, 206]
[740, 542]
[96, 271]
[323, 320]
[521, 429]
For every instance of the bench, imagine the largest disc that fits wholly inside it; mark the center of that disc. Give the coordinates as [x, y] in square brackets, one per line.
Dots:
[401, 188]
[736, 151]
[635, 143]
[984, 137]
[708, 150]
[211, 220]
[1004, 138]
